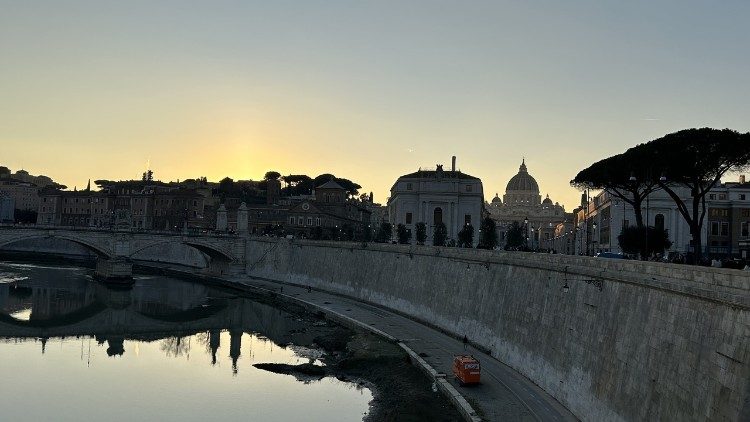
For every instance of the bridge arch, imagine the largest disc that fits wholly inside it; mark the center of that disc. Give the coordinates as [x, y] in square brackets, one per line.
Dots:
[212, 251]
[99, 250]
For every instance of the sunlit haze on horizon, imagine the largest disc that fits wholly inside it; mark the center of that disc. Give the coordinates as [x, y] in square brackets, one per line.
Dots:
[364, 90]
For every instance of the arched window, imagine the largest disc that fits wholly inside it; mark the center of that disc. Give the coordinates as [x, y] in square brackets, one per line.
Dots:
[438, 216]
[659, 221]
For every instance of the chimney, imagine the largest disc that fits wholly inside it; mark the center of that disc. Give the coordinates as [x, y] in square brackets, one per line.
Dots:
[453, 163]
[742, 178]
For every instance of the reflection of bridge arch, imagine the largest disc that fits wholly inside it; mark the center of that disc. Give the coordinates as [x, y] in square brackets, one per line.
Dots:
[99, 250]
[88, 316]
[79, 315]
[212, 251]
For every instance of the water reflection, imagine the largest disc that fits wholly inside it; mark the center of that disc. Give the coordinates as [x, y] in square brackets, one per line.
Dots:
[178, 349]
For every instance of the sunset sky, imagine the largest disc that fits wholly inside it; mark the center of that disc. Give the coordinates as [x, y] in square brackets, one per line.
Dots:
[365, 90]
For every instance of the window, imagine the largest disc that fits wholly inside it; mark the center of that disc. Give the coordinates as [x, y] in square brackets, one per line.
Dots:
[408, 218]
[722, 196]
[744, 232]
[725, 228]
[408, 186]
[742, 197]
[309, 221]
[467, 219]
[711, 196]
[301, 221]
[714, 228]
[718, 212]
[195, 203]
[317, 221]
[745, 212]
[468, 188]
[291, 220]
[437, 216]
[659, 221]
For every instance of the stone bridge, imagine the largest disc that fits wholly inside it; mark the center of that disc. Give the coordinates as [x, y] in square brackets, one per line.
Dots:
[115, 248]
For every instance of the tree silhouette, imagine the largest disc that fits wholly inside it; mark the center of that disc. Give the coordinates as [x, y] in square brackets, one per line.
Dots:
[421, 235]
[271, 175]
[404, 235]
[514, 236]
[652, 240]
[440, 234]
[488, 235]
[696, 159]
[466, 237]
[627, 176]
[384, 233]
[347, 231]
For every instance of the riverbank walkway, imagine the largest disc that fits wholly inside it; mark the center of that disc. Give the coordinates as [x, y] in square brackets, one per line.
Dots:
[504, 394]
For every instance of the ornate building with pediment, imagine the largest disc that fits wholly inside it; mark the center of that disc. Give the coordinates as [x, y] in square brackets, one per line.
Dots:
[450, 197]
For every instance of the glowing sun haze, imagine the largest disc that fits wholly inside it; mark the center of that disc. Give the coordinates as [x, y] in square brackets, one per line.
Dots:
[364, 90]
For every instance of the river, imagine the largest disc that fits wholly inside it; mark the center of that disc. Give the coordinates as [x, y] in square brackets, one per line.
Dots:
[73, 349]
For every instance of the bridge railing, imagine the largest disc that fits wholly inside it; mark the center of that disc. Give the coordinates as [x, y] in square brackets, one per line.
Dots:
[189, 232]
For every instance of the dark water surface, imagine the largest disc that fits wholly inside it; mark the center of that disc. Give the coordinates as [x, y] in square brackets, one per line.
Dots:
[72, 349]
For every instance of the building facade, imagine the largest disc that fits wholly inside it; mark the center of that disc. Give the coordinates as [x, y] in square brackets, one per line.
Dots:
[728, 220]
[599, 220]
[25, 194]
[7, 209]
[140, 205]
[331, 210]
[437, 196]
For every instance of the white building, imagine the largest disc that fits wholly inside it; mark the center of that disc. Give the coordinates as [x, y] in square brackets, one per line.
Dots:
[432, 196]
[611, 214]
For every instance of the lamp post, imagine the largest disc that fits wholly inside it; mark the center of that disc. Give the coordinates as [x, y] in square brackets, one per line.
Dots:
[634, 180]
[533, 238]
[526, 235]
[594, 241]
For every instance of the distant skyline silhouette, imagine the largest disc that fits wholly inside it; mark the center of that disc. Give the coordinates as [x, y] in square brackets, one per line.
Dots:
[367, 91]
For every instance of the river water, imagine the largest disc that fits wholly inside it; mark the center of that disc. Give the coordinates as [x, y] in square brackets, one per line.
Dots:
[72, 349]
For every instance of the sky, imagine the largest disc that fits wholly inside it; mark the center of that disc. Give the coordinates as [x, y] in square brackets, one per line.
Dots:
[367, 90]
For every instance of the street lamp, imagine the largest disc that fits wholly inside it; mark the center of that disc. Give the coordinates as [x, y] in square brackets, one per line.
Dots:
[593, 235]
[533, 237]
[526, 237]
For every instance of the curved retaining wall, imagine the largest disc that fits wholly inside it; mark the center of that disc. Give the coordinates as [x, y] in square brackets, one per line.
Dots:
[657, 342]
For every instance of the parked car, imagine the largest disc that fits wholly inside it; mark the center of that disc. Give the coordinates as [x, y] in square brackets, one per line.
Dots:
[611, 255]
[674, 257]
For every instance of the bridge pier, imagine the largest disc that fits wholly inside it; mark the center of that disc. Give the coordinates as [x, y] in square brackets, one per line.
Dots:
[114, 270]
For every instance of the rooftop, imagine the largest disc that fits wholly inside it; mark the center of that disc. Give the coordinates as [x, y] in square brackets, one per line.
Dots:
[448, 174]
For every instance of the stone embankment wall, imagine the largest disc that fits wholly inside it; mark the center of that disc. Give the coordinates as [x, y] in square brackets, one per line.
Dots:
[656, 342]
